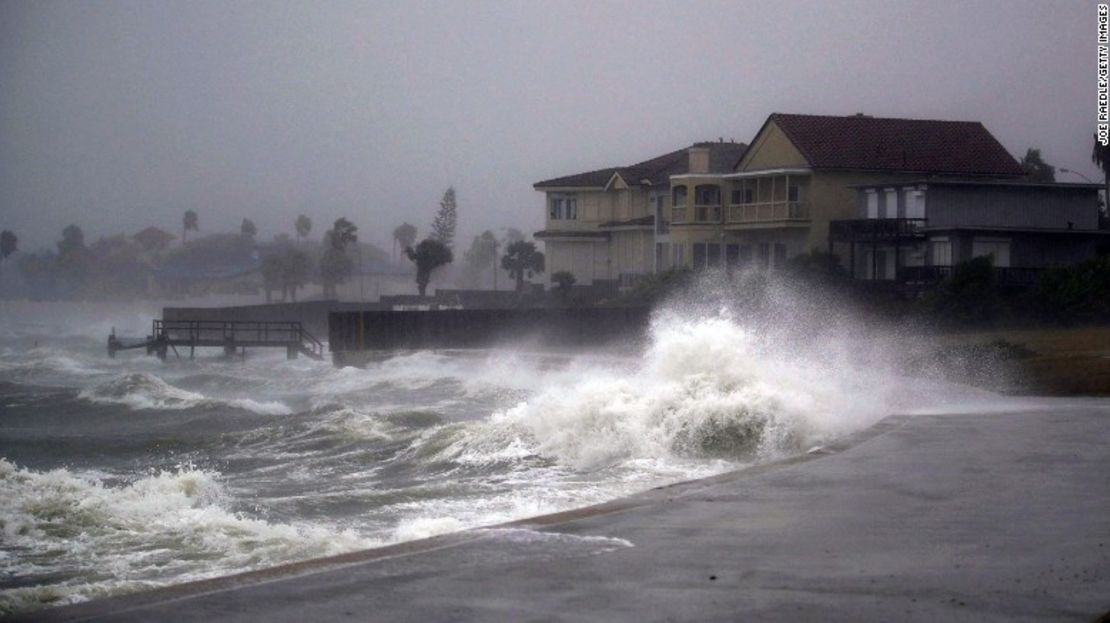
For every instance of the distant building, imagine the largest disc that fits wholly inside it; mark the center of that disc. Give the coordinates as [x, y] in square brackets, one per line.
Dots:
[800, 186]
[915, 232]
[154, 240]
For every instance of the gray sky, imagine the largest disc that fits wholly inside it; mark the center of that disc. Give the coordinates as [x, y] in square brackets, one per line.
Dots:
[118, 115]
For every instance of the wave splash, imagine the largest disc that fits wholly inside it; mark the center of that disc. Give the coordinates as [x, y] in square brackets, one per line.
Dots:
[707, 389]
[171, 526]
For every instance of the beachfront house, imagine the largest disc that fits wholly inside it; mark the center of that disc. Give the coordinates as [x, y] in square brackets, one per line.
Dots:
[609, 227]
[914, 233]
[817, 182]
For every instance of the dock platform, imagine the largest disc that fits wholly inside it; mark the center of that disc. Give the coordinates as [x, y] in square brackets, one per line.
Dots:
[232, 336]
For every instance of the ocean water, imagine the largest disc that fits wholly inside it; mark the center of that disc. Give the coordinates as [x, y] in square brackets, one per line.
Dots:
[122, 474]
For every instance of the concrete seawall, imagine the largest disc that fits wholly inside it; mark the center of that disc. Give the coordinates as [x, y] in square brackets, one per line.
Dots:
[354, 336]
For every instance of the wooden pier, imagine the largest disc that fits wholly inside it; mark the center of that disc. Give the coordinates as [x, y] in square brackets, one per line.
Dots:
[232, 336]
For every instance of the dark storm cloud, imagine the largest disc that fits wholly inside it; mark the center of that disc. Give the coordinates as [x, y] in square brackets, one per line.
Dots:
[119, 115]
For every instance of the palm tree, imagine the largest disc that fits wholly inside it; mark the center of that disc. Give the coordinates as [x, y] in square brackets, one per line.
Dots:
[335, 266]
[522, 258]
[188, 222]
[429, 255]
[303, 226]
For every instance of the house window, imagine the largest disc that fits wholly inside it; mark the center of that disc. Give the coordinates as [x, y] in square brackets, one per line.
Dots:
[941, 249]
[707, 195]
[570, 208]
[780, 255]
[732, 255]
[714, 258]
[745, 254]
[679, 193]
[741, 196]
[698, 256]
[792, 194]
[872, 203]
[764, 255]
[891, 203]
[678, 252]
[998, 249]
[915, 203]
[563, 207]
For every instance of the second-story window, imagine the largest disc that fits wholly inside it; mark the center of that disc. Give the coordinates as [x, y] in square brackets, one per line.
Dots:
[707, 195]
[741, 196]
[679, 195]
[563, 207]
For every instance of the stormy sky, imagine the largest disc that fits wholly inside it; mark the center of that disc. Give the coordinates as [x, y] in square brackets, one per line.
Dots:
[119, 115]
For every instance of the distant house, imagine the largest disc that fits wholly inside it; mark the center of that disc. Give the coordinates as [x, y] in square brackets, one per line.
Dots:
[915, 232]
[800, 186]
[154, 240]
[609, 227]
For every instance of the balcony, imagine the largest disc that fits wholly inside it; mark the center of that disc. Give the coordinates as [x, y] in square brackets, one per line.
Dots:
[768, 212]
[877, 229]
[703, 214]
[678, 215]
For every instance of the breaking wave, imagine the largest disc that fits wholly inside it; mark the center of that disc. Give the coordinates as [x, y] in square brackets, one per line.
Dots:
[707, 389]
[144, 391]
[169, 526]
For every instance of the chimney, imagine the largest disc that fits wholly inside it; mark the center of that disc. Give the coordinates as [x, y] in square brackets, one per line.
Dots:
[699, 159]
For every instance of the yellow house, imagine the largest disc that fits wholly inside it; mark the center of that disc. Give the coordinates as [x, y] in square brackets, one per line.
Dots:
[726, 204]
[609, 227]
[801, 172]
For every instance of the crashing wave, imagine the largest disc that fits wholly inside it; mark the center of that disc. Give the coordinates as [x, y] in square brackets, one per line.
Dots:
[173, 525]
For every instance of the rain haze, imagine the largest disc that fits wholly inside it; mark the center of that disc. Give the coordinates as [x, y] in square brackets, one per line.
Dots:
[120, 115]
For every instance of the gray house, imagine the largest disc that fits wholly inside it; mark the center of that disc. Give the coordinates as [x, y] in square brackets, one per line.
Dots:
[914, 233]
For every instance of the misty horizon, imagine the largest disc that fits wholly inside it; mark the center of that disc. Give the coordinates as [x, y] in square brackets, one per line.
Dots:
[117, 116]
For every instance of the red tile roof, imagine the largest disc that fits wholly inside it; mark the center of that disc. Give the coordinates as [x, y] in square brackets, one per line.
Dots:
[911, 145]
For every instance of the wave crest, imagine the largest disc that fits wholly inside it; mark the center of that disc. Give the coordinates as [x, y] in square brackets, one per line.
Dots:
[144, 391]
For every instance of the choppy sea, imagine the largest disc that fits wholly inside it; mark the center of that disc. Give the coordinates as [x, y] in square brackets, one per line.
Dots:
[122, 474]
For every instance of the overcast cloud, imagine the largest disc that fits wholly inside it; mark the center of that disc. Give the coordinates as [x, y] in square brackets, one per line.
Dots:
[118, 115]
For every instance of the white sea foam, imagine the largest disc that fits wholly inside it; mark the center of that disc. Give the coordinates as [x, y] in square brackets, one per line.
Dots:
[707, 388]
[167, 526]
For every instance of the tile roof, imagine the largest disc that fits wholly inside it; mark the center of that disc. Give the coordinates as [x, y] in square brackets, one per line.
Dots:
[883, 144]
[656, 171]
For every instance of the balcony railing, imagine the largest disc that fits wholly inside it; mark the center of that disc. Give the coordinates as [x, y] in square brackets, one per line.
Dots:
[707, 214]
[678, 215]
[875, 229]
[768, 211]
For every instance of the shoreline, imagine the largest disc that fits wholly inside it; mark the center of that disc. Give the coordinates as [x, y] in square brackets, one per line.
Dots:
[950, 516]
[647, 497]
